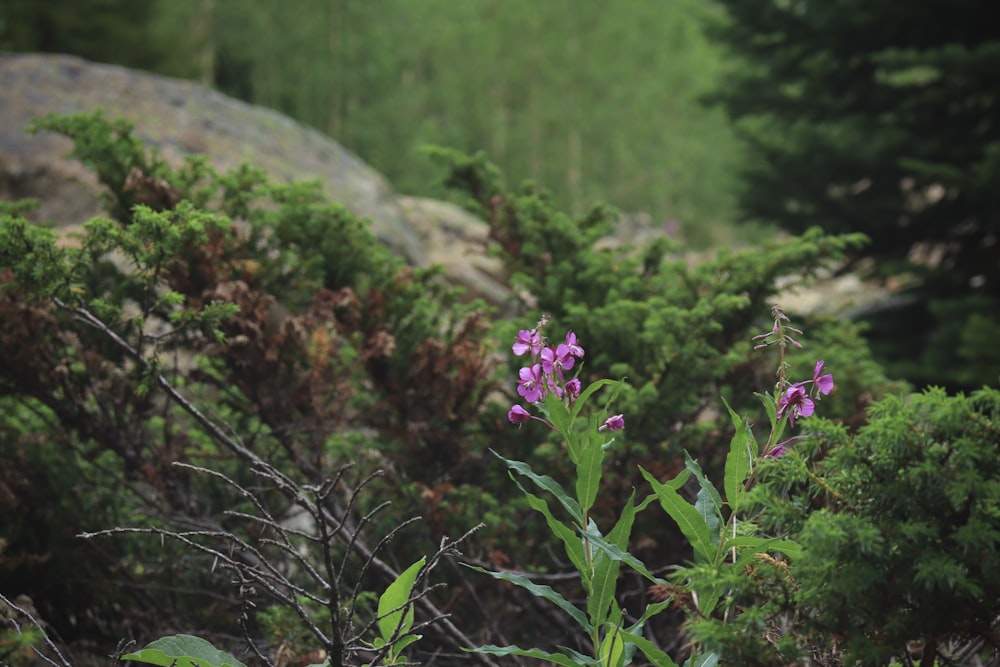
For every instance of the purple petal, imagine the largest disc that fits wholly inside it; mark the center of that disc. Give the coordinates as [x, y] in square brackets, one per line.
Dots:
[777, 451]
[518, 415]
[615, 423]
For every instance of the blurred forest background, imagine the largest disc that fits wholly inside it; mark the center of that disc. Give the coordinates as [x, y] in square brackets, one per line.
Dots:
[720, 121]
[597, 105]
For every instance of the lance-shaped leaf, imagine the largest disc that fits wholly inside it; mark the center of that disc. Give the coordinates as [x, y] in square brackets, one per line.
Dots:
[542, 591]
[691, 523]
[703, 660]
[559, 416]
[651, 611]
[612, 649]
[576, 660]
[656, 656]
[546, 483]
[616, 554]
[764, 545]
[592, 388]
[570, 538]
[708, 502]
[739, 461]
[607, 565]
[589, 469]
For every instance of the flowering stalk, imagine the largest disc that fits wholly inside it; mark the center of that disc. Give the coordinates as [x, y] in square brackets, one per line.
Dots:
[553, 394]
[546, 376]
[793, 400]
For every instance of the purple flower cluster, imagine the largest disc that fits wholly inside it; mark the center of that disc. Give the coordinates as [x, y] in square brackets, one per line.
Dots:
[799, 400]
[547, 374]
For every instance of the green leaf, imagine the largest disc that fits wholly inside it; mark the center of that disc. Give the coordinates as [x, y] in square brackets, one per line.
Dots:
[591, 389]
[612, 649]
[705, 660]
[739, 461]
[704, 483]
[589, 469]
[546, 483]
[183, 651]
[616, 554]
[398, 647]
[777, 426]
[709, 502]
[607, 567]
[602, 590]
[705, 506]
[655, 655]
[651, 610]
[570, 538]
[539, 590]
[763, 545]
[557, 658]
[391, 622]
[688, 519]
[558, 414]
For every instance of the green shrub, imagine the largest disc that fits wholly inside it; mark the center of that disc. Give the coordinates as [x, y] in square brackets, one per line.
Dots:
[307, 344]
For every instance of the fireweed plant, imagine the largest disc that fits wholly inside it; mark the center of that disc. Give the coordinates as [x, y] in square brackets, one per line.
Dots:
[722, 545]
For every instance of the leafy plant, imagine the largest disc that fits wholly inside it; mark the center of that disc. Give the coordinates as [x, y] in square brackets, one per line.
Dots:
[719, 528]
[597, 556]
[152, 354]
[183, 649]
[395, 615]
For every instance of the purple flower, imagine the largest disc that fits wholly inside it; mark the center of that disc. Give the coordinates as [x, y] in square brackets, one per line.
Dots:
[573, 388]
[518, 415]
[795, 403]
[781, 448]
[527, 339]
[558, 359]
[775, 452]
[615, 423]
[530, 384]
[573, 345]
[823, 383]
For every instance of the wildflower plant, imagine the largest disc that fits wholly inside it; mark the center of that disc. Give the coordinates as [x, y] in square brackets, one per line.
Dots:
[556, 398]
[724, 544]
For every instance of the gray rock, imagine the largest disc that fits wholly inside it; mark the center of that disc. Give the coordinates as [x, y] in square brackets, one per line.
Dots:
[457, 240]
[179, 118]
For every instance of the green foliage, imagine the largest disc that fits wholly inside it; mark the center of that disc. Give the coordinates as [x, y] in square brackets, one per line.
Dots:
[281, 314]
[395, 615]
[898, 527]
[162, 36]
[597, 557]
[858, 128]
[908, 545]
[183, 649]
[18, 645]
[677, 331]
[277, 309]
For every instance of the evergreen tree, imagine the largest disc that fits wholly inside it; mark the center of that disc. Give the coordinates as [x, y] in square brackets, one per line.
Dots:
[882, 117]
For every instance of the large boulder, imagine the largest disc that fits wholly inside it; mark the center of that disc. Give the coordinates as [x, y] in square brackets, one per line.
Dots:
[179, 118]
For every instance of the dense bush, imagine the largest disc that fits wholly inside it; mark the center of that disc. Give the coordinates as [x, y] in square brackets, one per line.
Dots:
[899, 529]
[221, 321]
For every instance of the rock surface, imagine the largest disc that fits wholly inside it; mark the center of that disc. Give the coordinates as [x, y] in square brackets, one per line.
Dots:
[179, 118]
